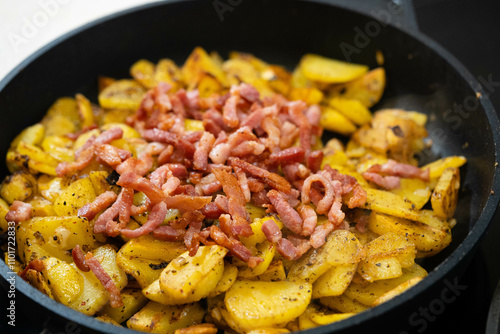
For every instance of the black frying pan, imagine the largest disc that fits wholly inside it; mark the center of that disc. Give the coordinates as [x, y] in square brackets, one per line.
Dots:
[421, 76]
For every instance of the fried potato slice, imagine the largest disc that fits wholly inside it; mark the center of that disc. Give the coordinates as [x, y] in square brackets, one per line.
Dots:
[427, 238]
[158, 318]
[334, 281]
[327, 70]
[133, 301]
[188, 279]
[367, 89]
[386, 256]
[122, 94]
[445, 195]
[352, 109]
[367, 294]
[333, 120]
[254, 304]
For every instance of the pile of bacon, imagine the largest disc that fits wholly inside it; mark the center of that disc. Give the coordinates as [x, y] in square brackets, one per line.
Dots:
[245, 154]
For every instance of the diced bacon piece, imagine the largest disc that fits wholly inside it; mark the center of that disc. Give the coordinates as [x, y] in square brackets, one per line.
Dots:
[220, 153]
[259, 198]
[318, 237]
[230, 112]
[254, 119]
[336, 215]
[165, 155]
[386, 182]
[288, 155]
[235, 247]
[154, 148]
[111, 155]
[139, 166]
[18, 212]
[296, 111]
[301, 244]
[291, 219]
[155, 218]
[187, 202]
[190, 239]
[394, 168]
[32, 265]
[255, 185]
[200, 159]
[247, 148]
[109, 135]
[326, 202]
[314, 161]
[242, 180]
[271, 230]
[115, 298]
[79, 259]
[236, 205]
[289, 133]
[168, 233]
[313, 114]
[208, 185]
[246, 91]
[287, 249]
[272, 179]
[212, 211]
[104, 200]
[213, 121]
[139, 183]
[309, 217]
[107, 216]
[83, 160]
[123, 204]
[271, 126]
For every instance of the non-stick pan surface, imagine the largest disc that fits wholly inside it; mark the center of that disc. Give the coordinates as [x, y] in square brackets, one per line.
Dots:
[420, 74]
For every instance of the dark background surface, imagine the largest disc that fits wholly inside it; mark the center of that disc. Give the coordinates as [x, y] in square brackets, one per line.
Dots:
[470, 30]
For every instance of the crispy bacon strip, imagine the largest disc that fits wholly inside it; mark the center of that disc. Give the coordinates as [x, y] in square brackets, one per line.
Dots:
[271, 231]
[139, 183]
[19, 212]
[386, 182]
[318, 237]
[187, 202]
[394, 168]
[236, 203]
[200, 158]
[101, 202]
[287, 213]
[309, 217]
[289, 155]
[155, 218]
[272, 179]
[139, 166]
[35, 265]
[235, 247]
[326, 202]
[115, 298]
[168, 233]
[79, 259]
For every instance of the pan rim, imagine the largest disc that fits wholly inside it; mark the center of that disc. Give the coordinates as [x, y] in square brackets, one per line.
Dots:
[467, 245]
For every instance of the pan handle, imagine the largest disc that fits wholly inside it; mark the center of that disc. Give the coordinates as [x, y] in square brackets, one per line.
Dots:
[400, 13]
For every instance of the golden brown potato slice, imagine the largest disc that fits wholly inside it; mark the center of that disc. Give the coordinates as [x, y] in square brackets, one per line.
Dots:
[445, 196]
[327, 70]
[158, 318]
[367, 89]
[254, 304]
[122, 94]
[333, 120]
